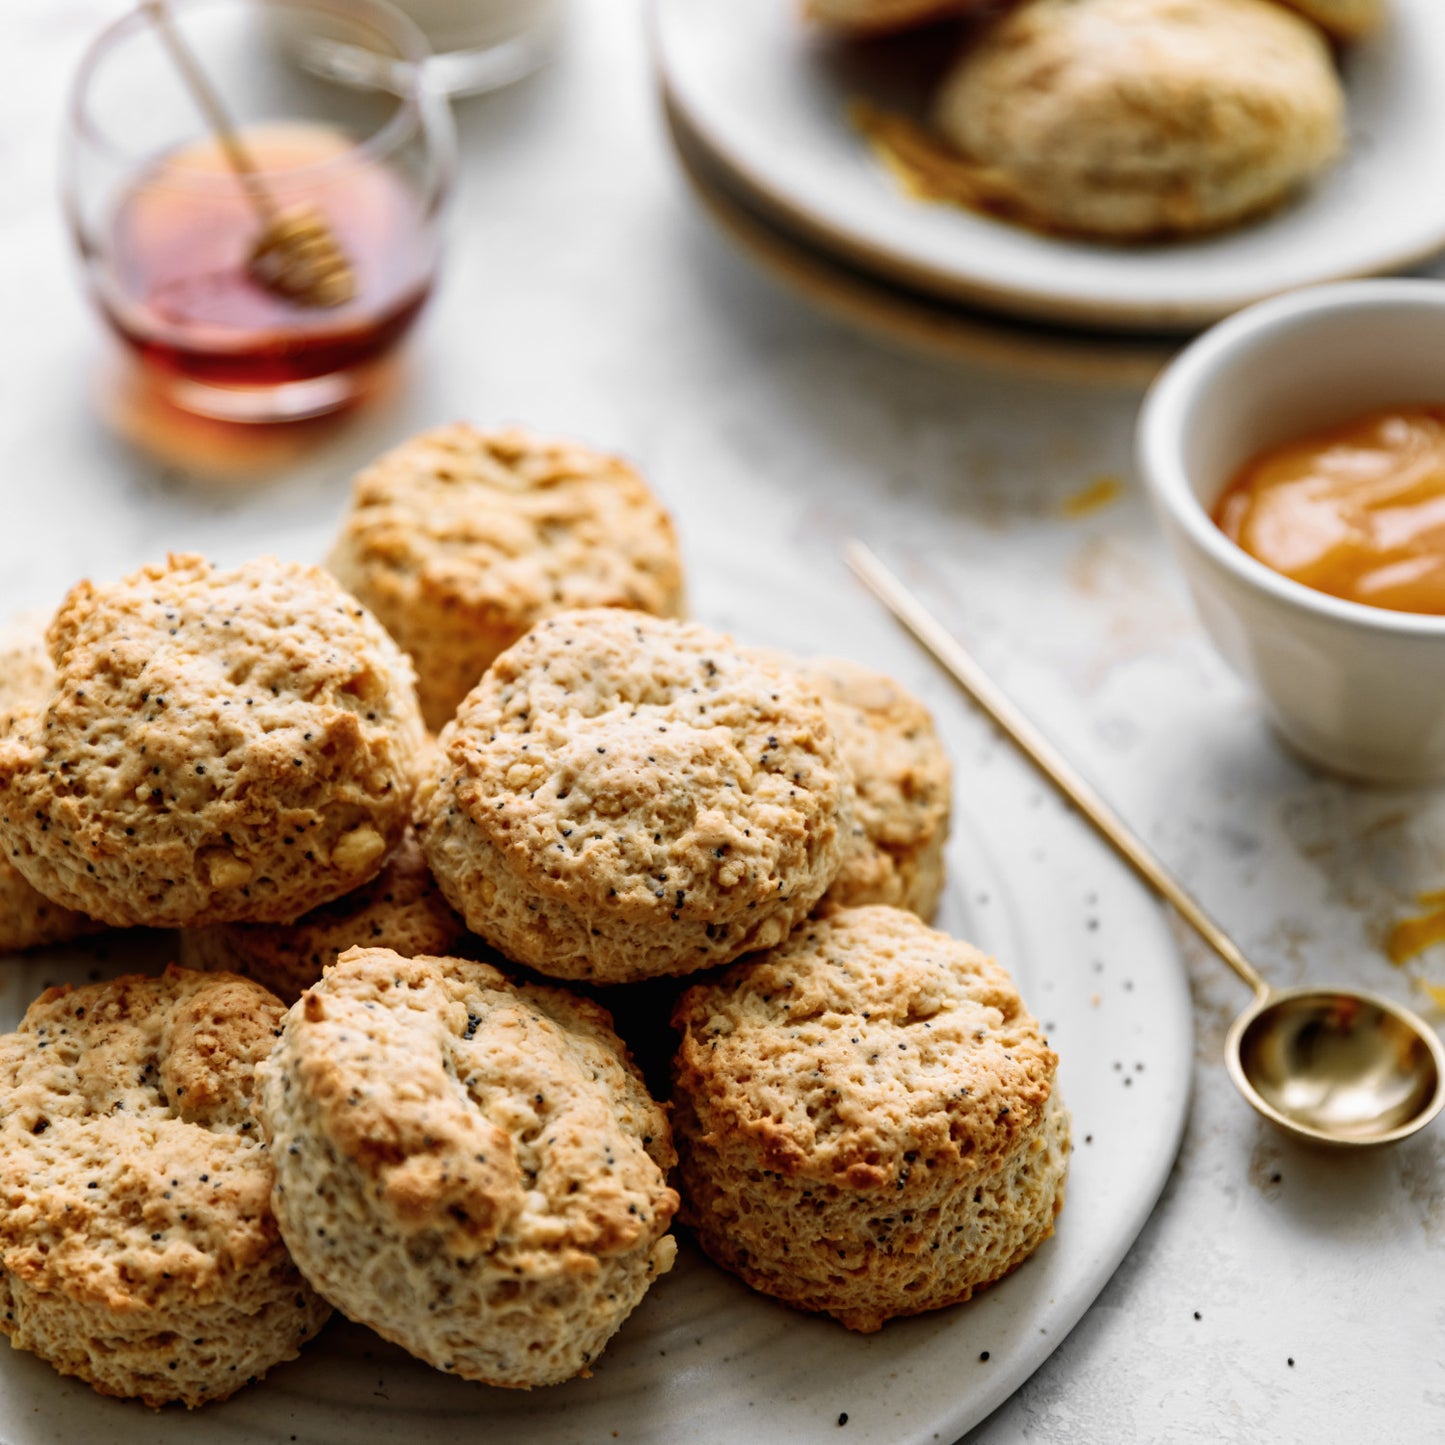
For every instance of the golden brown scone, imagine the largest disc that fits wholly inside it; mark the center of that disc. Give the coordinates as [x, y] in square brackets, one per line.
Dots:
[138, 1250]
[28, 919]
[903, 782]
[624, 796]
[401, 908]
[472, 1168]
[460, 539]
[867, 1120]
[1344, 20]
[26, 671]
[1133, 119]
[881, 17]
[218, 744]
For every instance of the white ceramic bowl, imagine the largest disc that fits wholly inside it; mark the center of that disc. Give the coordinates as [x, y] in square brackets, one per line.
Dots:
[1358, 690]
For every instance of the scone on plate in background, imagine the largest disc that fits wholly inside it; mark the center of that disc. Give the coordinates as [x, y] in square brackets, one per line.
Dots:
[460, 539]
[473, 1169]
[624, 796]
[218, 744]
[138, 1250]
[1134, 119]
[881, 17]
[401, 909]
[903, 782]
[28, 919]
[867, 1119]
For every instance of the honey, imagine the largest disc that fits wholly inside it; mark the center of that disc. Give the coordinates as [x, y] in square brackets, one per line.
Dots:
[176, 284]
[927, 168]
[1356, 510]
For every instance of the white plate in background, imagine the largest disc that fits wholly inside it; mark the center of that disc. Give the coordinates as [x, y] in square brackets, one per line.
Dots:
[767, 94]
[904, 317]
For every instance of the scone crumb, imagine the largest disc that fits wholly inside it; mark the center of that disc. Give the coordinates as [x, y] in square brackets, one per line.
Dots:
[357, 850]
[224, 870]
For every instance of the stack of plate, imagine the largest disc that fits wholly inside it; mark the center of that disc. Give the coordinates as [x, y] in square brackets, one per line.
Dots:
[757, 102]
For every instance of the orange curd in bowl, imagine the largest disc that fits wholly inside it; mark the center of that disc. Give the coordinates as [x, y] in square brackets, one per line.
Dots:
[1357, 511]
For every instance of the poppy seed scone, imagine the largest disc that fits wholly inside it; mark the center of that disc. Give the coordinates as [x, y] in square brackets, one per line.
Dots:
[26, 672]
[460, 539]
[867, 1120]
[28, 919]
[218, 744]
[401, 909]
[470, 1167]
[138, 1250]
[1132, 119]
[903, 782]
[624, 796]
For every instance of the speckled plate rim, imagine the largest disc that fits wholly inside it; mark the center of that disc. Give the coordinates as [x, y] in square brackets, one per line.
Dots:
[737, 69]
[704, 1358]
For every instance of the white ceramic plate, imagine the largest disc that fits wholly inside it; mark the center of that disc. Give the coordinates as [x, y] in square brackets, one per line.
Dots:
[706, 1359]
[767, 96]
[905, 317]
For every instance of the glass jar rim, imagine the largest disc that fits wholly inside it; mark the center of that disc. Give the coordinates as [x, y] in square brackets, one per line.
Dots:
[382, 18]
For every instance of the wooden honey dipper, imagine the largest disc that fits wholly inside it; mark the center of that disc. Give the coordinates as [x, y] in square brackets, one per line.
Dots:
[295, 255]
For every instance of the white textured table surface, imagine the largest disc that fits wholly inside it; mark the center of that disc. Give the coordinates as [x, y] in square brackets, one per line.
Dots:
[1275, 1295]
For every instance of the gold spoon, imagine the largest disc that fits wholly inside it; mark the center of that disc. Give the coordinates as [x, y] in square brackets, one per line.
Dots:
[294, 253]
[1329, 1065]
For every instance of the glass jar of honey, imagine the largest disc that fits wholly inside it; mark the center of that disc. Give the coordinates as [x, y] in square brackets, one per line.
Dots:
[165, 224]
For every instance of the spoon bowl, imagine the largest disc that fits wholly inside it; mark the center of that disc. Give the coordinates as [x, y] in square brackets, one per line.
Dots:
[1337, 1066]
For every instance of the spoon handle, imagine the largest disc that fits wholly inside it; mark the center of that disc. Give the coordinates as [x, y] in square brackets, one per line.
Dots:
[966, 672]
[211, 106]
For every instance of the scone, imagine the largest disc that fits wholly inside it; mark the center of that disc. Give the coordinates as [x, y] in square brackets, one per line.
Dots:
[401, 908]
[26, 672]
[867, 1119]
[460, 539]
[903, 782]
[1133, 119]
[472, 1169]
[218, 744]
[1344, 20]
[138, 1250]
[28, 919]
[880, 17]
[623, 797]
